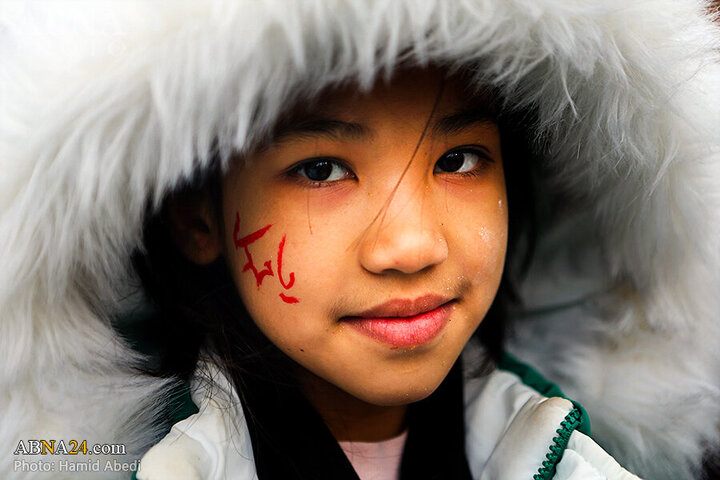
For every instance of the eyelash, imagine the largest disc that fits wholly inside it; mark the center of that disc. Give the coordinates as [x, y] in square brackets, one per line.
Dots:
[294, 172]
[484, 160]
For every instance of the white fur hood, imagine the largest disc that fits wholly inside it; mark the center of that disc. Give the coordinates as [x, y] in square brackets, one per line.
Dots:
[106, 105]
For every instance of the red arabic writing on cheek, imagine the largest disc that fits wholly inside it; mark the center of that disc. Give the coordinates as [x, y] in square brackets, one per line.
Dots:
[287, 299]
[244, 243]
[291, 282]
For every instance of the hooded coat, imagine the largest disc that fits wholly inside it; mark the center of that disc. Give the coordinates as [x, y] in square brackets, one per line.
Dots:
[107, 106]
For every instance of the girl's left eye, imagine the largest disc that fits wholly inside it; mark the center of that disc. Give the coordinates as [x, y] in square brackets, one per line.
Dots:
[459, 161]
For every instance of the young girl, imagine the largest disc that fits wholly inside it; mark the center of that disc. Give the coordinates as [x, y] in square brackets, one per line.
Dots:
[318, 221]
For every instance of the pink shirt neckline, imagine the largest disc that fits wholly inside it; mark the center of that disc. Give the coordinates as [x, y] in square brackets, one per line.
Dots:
[376, 460]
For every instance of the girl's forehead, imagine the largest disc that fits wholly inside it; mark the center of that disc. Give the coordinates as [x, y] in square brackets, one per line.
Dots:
[428, 97]
[403, 83]
[408, 92]
[406, 86]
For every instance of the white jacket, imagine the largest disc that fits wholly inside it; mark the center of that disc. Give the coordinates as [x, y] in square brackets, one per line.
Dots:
[511, 432]
[106, 106]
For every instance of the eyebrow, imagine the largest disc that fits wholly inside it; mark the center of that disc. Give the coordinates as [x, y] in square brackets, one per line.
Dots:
[311, 127]
[319, 126]
[457, 122]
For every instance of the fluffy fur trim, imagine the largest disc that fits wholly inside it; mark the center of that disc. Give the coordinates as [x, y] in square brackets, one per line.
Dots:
[106, 105]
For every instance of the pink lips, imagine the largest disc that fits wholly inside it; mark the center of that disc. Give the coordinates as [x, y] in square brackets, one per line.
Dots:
[404, 323]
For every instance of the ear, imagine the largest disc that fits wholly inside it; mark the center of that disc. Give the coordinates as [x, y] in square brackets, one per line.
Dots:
[194, 227]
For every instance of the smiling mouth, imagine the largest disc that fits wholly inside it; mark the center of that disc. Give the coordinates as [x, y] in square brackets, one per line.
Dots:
[403, 323]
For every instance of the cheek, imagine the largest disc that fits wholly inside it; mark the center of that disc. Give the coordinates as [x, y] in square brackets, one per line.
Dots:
[284, 275]
[269, 289]
[483, 241]
[256, 257]
[491, 231]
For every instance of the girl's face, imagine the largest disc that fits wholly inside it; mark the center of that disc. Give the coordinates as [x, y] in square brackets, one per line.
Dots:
[368, 239]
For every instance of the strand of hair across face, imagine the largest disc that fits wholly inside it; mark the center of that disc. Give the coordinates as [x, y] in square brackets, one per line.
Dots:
[384, 209]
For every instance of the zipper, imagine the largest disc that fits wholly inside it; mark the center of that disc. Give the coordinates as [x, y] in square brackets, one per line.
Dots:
[567, 426]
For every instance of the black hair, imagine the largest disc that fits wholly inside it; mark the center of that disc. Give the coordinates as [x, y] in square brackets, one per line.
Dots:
[198, 306]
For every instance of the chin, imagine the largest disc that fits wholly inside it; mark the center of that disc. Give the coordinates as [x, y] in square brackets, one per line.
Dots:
[398, 393]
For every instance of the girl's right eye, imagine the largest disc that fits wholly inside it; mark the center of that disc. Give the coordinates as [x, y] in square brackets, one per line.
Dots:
[322, 170]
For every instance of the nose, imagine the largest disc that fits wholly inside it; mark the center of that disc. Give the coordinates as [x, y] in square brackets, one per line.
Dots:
[406, 238]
